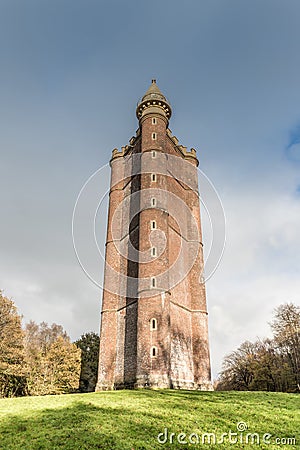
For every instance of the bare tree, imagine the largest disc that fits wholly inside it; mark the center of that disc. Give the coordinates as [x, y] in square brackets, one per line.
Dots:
[268, 364]
[286, 330]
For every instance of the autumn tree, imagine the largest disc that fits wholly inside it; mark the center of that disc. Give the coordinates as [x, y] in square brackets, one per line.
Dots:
[89, 346]
[12, 381]
[41, 336]
[52, 361]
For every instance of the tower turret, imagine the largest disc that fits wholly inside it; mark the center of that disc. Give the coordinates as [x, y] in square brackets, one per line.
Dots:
[153, 102]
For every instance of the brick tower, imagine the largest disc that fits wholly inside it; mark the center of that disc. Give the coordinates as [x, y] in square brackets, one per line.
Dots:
[154, 330]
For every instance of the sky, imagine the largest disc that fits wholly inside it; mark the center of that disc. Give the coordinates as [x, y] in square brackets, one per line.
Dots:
[71, 73]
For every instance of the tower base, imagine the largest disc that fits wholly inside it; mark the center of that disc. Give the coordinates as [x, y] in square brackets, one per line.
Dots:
[156, 382]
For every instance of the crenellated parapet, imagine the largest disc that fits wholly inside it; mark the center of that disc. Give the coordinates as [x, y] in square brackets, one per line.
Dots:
[187, 154]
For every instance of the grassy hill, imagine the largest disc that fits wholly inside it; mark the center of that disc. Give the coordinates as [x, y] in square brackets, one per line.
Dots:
[134, 419]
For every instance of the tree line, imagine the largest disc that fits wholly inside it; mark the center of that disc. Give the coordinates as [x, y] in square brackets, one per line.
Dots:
[40, 359]
[270, 364]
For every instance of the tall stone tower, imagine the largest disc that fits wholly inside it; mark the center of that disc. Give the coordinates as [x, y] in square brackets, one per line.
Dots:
[154, 330]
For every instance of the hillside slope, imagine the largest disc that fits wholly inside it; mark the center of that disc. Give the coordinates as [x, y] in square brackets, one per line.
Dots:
[136, 419]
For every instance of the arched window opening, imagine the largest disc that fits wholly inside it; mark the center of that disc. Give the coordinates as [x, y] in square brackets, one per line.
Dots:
[153, 324]
[153, 352]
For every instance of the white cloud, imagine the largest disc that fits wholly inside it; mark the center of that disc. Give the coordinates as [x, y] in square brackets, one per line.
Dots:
[260, 268]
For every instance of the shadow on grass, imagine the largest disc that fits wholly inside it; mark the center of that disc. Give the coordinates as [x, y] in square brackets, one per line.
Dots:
[80, 426]
[131, 420]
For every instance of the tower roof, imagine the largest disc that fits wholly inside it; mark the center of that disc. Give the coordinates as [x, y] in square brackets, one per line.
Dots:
[154, 92]
[154, 97]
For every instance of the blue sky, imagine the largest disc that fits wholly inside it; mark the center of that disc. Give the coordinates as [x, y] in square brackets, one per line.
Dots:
[71, 74]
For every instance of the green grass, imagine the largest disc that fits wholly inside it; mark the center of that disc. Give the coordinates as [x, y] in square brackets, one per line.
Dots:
[133, 419]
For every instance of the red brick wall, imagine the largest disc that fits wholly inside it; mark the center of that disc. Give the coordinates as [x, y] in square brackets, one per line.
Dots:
[178, 301]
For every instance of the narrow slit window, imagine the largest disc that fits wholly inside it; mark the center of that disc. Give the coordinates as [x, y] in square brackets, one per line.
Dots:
[153, 225]
[153, 154]
[153, 177]
[153, 201]
[153, 324]
[154, 136]
[153, 282]
[153, 352]
[153, 120]
[153, 251]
